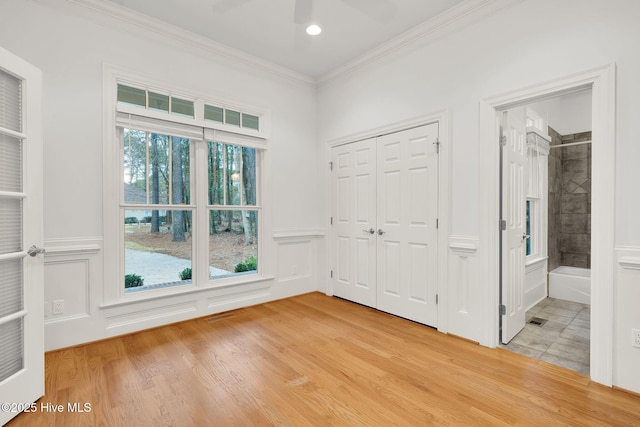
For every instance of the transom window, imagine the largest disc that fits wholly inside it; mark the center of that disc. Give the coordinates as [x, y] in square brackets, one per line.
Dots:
[167, 103]
[189, 205]
[155, 101]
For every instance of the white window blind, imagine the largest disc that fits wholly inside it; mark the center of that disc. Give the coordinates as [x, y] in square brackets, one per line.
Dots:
[11, 270]
[11, 348]
[10, 102]
[10, 225]
[10, 286]
[10, 164]
[234, 138]
[165, 127]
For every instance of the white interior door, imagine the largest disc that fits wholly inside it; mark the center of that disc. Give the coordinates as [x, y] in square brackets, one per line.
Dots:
[514, 175]
[407, 257]
[384, 213]
[21, 275]
[354, 221]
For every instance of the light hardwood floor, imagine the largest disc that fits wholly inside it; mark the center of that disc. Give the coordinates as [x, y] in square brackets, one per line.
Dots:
[315, 360]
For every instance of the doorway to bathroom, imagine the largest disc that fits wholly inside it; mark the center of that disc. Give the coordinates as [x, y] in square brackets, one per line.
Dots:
[545, 229]
[601, 81]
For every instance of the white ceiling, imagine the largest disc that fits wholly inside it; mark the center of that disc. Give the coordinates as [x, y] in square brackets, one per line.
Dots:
[266, 28]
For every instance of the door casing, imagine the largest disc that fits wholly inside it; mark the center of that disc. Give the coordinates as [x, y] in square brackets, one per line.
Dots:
[601, 81]
[441, 117]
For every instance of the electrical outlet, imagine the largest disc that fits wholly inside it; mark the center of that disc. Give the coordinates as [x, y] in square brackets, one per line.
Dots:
[635, 337]
[58, 306]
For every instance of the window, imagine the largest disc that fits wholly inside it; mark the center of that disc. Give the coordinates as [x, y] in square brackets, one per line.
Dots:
[535, 120]
[188, 193]
[529, 222]
[231, 117]
[233, 232]
[536, 197]
[158, 217]
[155, 101]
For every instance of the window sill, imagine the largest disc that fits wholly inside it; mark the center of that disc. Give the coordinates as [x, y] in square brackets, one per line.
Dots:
[535, 260]
[154, 294]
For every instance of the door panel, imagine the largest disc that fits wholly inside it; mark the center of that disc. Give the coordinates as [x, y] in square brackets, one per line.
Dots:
[407, 214]
[513, 242]
[354, 214]
[390, 268]
[21, 292]
[419, 273]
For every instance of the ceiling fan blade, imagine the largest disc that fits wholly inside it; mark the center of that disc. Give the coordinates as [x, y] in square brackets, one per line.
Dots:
[303, 11]
[380, 10]
[223, 6]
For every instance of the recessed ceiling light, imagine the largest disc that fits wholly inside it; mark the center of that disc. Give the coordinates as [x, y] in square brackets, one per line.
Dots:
[313, 30]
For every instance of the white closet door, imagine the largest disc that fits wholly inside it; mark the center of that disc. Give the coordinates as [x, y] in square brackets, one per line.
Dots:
[406, 224]
[21, 291]
[514, 173]
[354, 222]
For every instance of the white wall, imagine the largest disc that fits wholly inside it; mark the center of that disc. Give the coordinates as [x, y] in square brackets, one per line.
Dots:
[71, 44]
[567, 114]
[527, 43]
[530, 42]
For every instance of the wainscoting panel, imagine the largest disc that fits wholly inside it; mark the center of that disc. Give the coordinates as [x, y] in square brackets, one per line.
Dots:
[535, 283]
[626, 374]
[125, 319]
[294, 259]
[298, 253]
[74, 275]
[463, 299]
[230, 298]
[67, 281]
[72, 272]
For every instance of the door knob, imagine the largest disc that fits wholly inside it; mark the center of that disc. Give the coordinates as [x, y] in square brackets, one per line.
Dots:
[34, 250]
[380, 231]
[370, 231]
[525, 236]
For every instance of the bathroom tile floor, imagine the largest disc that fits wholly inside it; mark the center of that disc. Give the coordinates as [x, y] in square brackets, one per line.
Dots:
[564, 339]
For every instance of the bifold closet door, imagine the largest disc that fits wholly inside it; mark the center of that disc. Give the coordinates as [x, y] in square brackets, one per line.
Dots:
[407, 197]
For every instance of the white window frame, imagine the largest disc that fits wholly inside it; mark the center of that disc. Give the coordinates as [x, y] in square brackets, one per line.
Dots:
[537, 190]
[113, 171]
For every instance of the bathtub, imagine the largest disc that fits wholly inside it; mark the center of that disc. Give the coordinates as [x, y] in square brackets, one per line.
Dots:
[570, 283]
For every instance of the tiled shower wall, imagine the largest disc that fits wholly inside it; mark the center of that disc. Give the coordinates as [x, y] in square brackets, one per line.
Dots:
[555, 199]
[570, 202]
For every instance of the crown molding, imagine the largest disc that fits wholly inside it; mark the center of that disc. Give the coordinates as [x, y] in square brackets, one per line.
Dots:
[386, 129]
[447, 22]
[111, 13]
[139, 24]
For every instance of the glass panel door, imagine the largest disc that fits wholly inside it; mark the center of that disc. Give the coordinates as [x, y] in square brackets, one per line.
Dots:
[21, 292]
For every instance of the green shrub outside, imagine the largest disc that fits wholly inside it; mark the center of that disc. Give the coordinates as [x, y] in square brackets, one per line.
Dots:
[133, 281]
[249, 264]
[185, 274]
